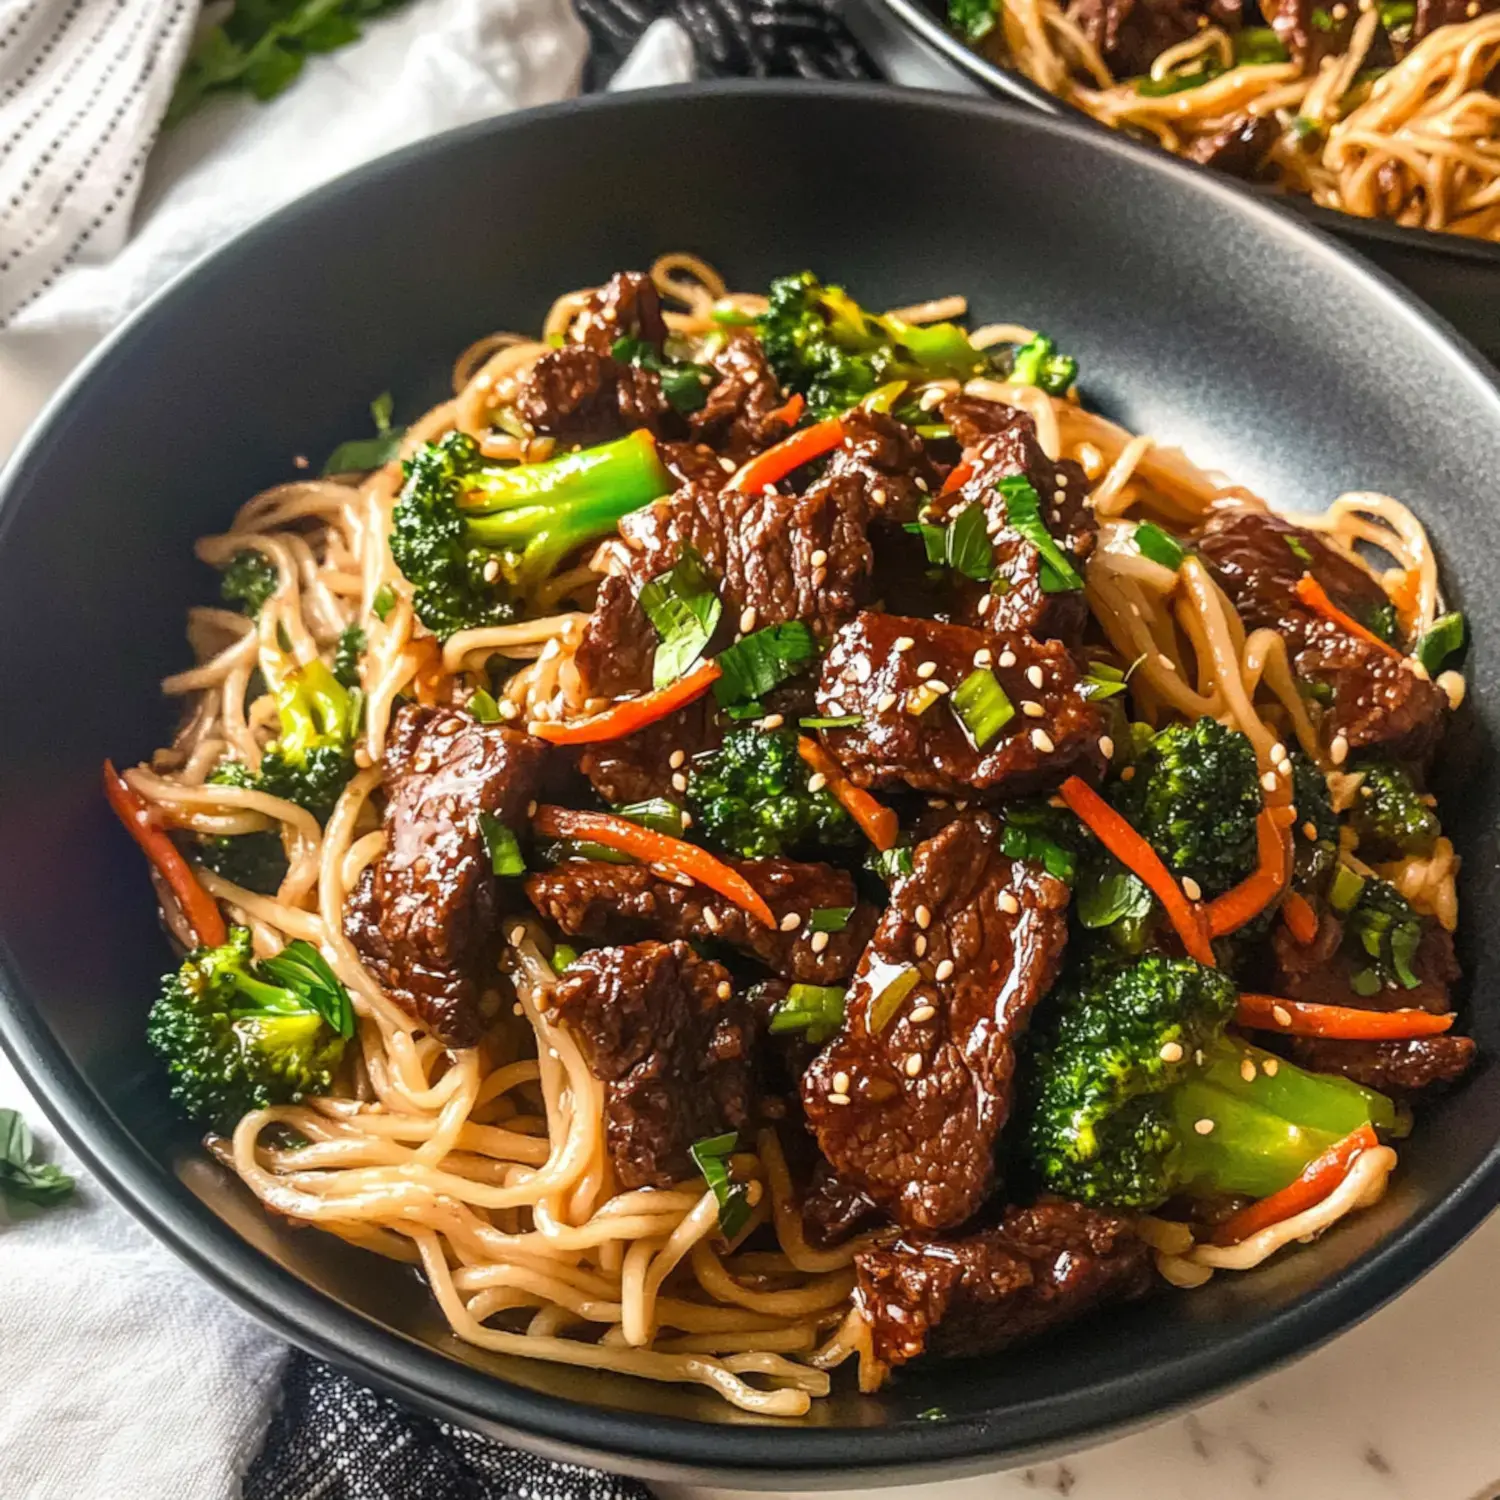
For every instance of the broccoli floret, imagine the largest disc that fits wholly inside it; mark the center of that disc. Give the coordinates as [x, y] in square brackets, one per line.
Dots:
[1384, 928]
[256, 861]
[1315, 857]
[248, 581]
[346, 655]
[972, 19]
[237, 1034]
[1389, 815]
[821, 342]
[751, 798]
[473, 537]
[1132, 1059]
[1195, 797]
[1038, 363]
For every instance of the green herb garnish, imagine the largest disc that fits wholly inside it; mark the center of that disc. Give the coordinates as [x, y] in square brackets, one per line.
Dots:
[684, 606]
[22, 1176]
[711, 1157]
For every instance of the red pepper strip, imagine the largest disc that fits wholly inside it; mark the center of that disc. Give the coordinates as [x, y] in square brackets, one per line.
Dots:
[1301, 920]
[878, 823]
[790, 411]
[632, 713]
[1315, 597]
[1230, 912]
[1341, 1022]
[790, 453]
[654, 849]
[958, 476]
[200, 909]
[1141, 859]
[1319, 1178]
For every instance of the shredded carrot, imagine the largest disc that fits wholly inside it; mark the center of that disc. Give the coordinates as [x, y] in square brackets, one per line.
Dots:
[1229, 912]
[790, 453]
[630, 714]
[655, 849]
[200, 909]
[1341, 1022]
[878, 823]
[1315, 597]
[1301, 920]
[1319, 1178]
[1127, 846]
[958, 476]
[790, 411]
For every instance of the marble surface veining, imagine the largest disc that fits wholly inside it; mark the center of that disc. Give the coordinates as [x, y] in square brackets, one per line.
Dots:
[1404, 1407]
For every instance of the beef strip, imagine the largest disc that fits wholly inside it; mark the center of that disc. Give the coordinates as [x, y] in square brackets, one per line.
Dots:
[1311, 30]
[626, 306]
[1000, 442]
[1130, 34]
[919, 1137]
[1401, 1069]
[865, 674]
[1320, 973]
[1378, 699]
[612, 903]
[890, 464]
[744, 412]
[639, 767]
[422, 913]
[618, 644]
[1044, 1266]
[673, 1046]
[1239, 148]
[834, 1210]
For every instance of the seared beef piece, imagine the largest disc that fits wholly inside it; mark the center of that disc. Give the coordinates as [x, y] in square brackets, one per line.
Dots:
[570, 394]
[1307, 41]
[1320, 972]
[1239, 148]
[423, 911]
[639, 767]
[1434, 13]
[865, 674]
[743, 413]
[1130, 34]
[626, 306]
[919, 1137]
[673, 1046]
[1044, 1266]
[618, 644]
[1401, 1069]
[695, 463]
[1377, 698]
[613, 903]
[1000, 442]
[890, 463]
[834, 1210]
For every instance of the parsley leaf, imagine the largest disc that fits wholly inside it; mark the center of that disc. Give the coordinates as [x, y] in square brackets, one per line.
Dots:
[500, 843]
[963, 544]
[304, 971]
[1023, 513]
[751, 667]
[22, 1176]
[684, 607]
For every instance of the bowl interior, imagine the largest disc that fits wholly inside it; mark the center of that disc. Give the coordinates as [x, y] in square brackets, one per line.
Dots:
[1197, 315]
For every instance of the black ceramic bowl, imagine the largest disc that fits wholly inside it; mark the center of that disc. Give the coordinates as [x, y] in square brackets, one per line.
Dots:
[1198, 315]
[1459, 277]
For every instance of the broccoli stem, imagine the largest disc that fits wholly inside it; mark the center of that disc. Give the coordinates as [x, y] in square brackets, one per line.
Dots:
[313, 706]
[626, 474]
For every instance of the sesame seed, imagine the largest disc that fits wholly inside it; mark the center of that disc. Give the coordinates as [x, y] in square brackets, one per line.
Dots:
[816, 782]
[921, 483]
[878, 496]
[676, 758]
[838, 1098]
[492, 570]
[841, 1083]
[819, 558]
[820, 577]
[687, 821]
[914, 1065]
[864, 669]
[819, 941]
[923, 1013]
[1247, 1070]
[1309, 830]
[517, 935]
[1191, 889]
[983, 657]
[768, 489]
[926, 669]
[886, 703]
[1269, 781]
[1106, 747]
[1171, 1052]
[517, 1009]
[723, 991]
[1043, 741]
[1338, 751]
[679, 782]
[727, 464]
[362, 758]
[1203, 1127]
[747, 619]
[1034, 676]
[1269, 1067]
[985, 603]
[791, 922]
[1058, 496]
[924, 918]
[919, 946]
[508, 710]
[531, 808]
[944, 970]
[1008, 903]
[710, 919]
[1281, 1015]
[1278, 751]
[937, 685]
[903, 643]
[1033, 710]
[1007, 657]
[773, 721]
[1165, 662]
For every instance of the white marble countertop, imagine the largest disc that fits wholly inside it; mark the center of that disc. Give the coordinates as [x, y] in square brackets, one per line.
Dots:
[1404, 1407]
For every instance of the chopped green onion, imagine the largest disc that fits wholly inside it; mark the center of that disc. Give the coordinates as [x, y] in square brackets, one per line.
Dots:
[1440, 642]
[891, 864]
[1258, 44]
[932, 1414]
[1366, 982]
[750, 710]
[751, 667]
[963, 544]
[504, 851]
[1177, 83]
[982, 707]
[483, 707]
[896, 982]
[839, 721]
[658, 814]
[1104, 680]
[1298, 549]
[685, 386]
[1345, 889]
[729, 316]
[1030, 844]
[1405, 939]
[1322, 19]
[371, 452]
[1158, 545]
[384, 601]
[816, 1009]
[564, 956]
[710, 1156]
[830, 918]
[1023, 513]
[684, 606]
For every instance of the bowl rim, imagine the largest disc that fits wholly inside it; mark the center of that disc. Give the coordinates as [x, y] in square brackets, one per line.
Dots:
[755, 1455]
[915, 17]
